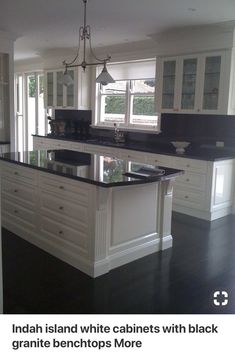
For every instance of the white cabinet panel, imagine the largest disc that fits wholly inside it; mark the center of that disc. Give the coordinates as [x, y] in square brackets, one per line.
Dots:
[74, 96]
[200, 83]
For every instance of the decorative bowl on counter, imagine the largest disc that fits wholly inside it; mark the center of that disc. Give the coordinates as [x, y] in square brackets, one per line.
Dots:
[180, 146]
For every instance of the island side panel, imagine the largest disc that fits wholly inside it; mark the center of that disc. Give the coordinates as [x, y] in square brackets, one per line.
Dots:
[1, 274]
[133, 223]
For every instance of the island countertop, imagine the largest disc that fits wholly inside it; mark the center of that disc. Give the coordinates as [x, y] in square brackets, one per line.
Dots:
[95, 169]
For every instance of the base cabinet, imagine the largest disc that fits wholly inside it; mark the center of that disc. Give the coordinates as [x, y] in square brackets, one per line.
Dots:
[205, 190]
[87, 226]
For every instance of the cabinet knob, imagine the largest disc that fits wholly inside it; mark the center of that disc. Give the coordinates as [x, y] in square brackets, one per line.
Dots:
[61, 187]
[156, 161]
[16, 173]
[186, 197]
[198, 109]
[61, 232]
[187, 179]
[188, 165]
[15, 190]
[16, 211]
[61, 208]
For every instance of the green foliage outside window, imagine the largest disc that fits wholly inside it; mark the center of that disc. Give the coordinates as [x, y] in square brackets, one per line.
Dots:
[32, 86]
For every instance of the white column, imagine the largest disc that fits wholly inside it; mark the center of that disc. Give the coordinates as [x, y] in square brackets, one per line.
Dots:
[165, 213]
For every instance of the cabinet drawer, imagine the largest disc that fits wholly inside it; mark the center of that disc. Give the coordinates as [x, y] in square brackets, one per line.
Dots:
[63, 232]
[17, 173]
[192, 165]
[189, 198]
[18, 192]
[160, 160]
[18, 212]
[193, 180]
[65, 188]
[96, 149]
[76, 147]
[64, 208]
[132, 156]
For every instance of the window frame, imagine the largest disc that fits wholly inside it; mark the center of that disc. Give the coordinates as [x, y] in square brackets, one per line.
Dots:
[129, 94]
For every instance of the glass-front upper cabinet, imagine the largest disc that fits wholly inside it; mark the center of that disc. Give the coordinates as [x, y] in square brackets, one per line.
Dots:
[70, 90]
[211, 87]
[168, 84]
[59, 89]
[189, 78]
[50, 89]
[193, 84]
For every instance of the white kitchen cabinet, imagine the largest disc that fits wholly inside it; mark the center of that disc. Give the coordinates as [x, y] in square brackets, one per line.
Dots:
[4, 148]
[205, 190]
[74, 96]
[198, 84]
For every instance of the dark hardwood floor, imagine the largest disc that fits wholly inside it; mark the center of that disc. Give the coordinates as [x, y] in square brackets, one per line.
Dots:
[179, 280]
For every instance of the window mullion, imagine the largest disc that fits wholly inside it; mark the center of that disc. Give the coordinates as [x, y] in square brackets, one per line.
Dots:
[128, 102]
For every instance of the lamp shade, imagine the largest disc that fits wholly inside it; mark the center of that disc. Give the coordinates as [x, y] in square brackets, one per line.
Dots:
[104, 77]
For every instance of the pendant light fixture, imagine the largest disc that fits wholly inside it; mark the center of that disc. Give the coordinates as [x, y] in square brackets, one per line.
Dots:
[85, 35]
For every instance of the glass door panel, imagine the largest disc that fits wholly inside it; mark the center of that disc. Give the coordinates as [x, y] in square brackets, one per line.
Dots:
[50, 94]
[70, 90]
[59, 88]
[31, 112]
[189, 84]
[211, 83]
[168, 87]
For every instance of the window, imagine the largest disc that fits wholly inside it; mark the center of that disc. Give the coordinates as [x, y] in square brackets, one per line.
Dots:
[129, 102]
[30, 112]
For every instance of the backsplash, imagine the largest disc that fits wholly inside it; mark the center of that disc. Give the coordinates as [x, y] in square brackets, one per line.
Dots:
[197, 129]
[71, 123]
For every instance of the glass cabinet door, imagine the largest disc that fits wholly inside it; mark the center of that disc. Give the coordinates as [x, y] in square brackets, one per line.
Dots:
[50, 88]
[168, 85]
[189, 84]
[70, 90]
[59, 89]
[211, 83]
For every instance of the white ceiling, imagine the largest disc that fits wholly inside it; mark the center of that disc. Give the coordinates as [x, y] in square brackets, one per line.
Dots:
[53, 24]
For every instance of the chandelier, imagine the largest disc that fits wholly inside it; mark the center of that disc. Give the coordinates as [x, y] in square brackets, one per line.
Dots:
[85, 35]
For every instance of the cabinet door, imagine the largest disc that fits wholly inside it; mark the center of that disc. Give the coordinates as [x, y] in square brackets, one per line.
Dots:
[211, 100]
[168, 84]
[49, 90]
[189, 84]
[59, 89]
[69, 91]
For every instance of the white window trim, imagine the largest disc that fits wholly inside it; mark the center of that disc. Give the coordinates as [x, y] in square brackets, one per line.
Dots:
[126, 126]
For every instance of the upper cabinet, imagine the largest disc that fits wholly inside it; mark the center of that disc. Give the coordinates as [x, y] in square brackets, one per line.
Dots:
[74, 96]
[200, 83]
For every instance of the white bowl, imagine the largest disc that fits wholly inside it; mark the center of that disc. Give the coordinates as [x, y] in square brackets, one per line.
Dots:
[180, 146]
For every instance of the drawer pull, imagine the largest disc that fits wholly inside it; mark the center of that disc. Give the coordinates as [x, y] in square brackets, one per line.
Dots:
[15, 190]
[156, 161]
[186, 197]
[61, 208]
[61, 232]
[16, 211]
[187, 179]
[188, 165]
[61, 187]
[16, 173]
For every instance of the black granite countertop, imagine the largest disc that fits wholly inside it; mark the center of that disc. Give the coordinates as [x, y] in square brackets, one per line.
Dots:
[193, 152]
[91, 168]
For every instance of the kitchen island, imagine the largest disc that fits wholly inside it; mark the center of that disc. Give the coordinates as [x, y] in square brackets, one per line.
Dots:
[91, 211]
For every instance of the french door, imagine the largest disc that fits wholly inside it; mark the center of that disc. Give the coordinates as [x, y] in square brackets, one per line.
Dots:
[30, 112]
